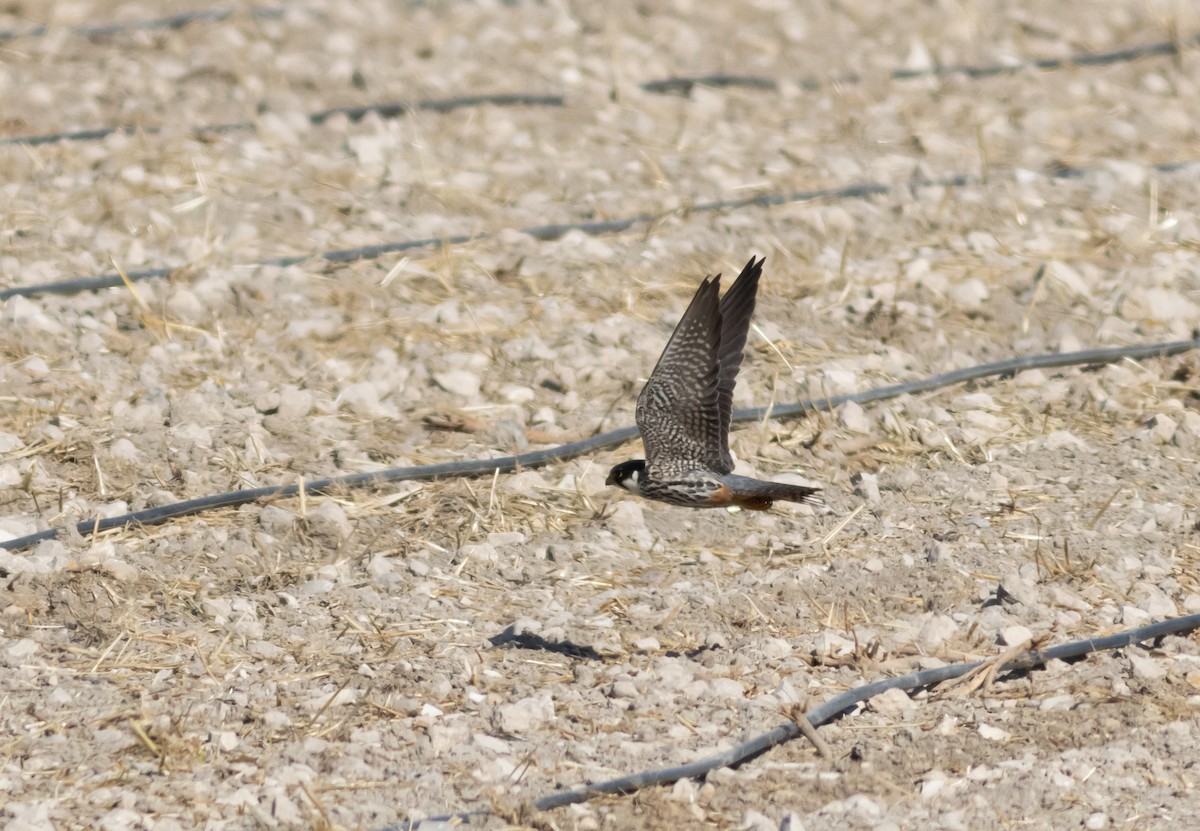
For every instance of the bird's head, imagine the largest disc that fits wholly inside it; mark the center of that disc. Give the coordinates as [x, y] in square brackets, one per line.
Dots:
[626, 475]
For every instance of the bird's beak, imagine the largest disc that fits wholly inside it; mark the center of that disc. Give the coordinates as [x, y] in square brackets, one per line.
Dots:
[612, 479]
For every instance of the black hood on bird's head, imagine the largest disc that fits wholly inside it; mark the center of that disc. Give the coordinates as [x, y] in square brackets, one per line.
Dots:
[620, 473]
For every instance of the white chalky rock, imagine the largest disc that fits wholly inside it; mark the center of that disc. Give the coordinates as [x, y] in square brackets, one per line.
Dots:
[902, 479]
[1068, 277]
[276, 520]
[1162, 428]
[858, 803]
[119, 570]
[629, 523]
[775, 648]
[125, 450]
[184, 306]
[726, 689]
[832, 644]
[1132, 616]
[380, 565]
[1158, 605]
[754, 821]
[973, 401]
[866, 485]
[1165, 304]
[459, 381]
[969, 294]
[854, 418]
[517, 394]
[29, 816]
[929, 435]
[218, 608]
[623, 688]
[892, 703]
[525, 483]
[226, 740]
[685, 791]
[1019, 590]
[325, 700]
[108, 510]
[836, 382]
[492, 744]
[364, 399]
[1015, 635]
[985, 421]
[190, 436]
[1146, 668]
[266, 401]
[786, 692]
[1065, 440]
[994, 734]
[329, 520]
[122, 819]
[483, 552]
[1064, 701]
[24, 315]
[294, 403]
[936, 631]
[316, 587]
[35, 367]
[1067, 599]
[524, 715]
[22, 648]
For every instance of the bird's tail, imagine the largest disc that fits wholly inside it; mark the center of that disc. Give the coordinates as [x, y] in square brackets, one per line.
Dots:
[757, 495]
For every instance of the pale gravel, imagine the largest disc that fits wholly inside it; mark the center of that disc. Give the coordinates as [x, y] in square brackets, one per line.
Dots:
[326, 662]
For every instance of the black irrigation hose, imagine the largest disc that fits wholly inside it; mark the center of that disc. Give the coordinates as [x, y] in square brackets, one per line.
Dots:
[391, 109]
[667, 86]
[825, 713]
[557, 230]
[109, 281]
[683, 85]
[1006, 367]
[174, 21]
[539, 458]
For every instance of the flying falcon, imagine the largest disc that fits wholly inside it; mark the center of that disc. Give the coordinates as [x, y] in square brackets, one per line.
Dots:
[684, 410]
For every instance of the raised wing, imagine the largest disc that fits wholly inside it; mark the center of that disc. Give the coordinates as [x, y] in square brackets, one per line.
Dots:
[735, 310]
[678, 411]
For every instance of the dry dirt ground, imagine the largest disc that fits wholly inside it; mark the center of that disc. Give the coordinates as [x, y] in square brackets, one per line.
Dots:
[326, 662]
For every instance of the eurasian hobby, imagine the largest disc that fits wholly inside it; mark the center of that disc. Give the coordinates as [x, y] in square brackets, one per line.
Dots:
[684, 410]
